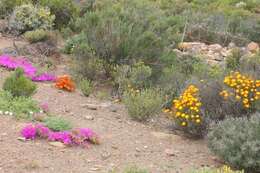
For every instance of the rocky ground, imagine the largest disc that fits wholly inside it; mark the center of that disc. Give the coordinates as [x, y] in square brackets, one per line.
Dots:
[124, 142]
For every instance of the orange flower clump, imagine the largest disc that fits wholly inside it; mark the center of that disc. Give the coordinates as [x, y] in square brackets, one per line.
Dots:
[244, 89]
[187, 109]
[65, 82]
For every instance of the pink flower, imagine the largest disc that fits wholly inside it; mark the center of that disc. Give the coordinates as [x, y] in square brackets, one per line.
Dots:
[29, 132]
[29, 70]
[64, 137]
[42, 131]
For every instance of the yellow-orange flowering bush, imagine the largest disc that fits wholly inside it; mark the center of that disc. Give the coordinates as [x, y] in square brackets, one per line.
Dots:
[243, 88]
[186, 111]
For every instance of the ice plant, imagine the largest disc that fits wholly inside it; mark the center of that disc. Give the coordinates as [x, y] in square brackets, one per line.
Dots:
[81, 136]
[65, 82]
[29, 132]
[242, 88]
[29, 70]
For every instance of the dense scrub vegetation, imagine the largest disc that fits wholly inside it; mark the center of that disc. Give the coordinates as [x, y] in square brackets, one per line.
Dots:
[136, 46]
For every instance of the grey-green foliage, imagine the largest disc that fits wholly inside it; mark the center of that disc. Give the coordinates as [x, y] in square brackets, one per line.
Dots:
[57, 123]
[127, 31]
[86, 87]
[19, 85]
[144, 104]
[233, 61]
[28, 17]
[135, 76]
[36, 35]
[237, 142]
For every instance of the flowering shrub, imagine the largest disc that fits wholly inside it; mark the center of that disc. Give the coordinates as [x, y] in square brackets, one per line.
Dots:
[65, 82]
[29, 70]
[243, 88]
[186, 111]
[224, 169]
[28, 17]
[78, 137]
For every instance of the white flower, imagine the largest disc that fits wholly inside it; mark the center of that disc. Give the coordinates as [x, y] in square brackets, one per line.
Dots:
[6, 112]
[41, 111]
[11, 113]
[31, 112]
[1, 112]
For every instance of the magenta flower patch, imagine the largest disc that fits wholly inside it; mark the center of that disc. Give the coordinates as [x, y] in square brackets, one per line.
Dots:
[81, 136]
[29, 132]
[29, 70]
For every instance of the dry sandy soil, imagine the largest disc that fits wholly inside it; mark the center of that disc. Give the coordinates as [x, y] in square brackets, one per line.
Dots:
[124, 142]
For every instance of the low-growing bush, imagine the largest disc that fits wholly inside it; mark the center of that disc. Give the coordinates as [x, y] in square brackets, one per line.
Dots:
[7, 6]
[134, 169]
[86, 87]
[19, 107]
[233, 61]
[64, 10]
[143, 104]
[224, 169]
[28, 17]
[236, 141]
[36, 35]
[57, 123]
[19, 85]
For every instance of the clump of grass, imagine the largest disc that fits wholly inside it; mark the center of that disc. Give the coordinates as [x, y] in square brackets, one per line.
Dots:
[57, 123]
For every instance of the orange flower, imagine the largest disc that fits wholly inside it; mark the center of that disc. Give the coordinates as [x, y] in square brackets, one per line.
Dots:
[65, 82]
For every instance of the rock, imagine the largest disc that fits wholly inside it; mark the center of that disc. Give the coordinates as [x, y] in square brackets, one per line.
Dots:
[9, 51]
[162, 135]
[90, 106]
[89, 117]
[3, 25]
[253, 47]
[105, 155]
[57, 144]
[21, 139]
[169, 152]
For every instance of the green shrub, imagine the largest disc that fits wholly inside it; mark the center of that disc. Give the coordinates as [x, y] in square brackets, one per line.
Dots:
[19, 106]
[125, 32]
[72, 42]
[7, 6]
[86, 87]
[36, 35]
[57, 123]
[144, 104]
[224, 169]
[251, 65]
[64, 10]
[18, 85]
[233, 61]
[28, 17]
[236, 141]
[136, 76]
[134, 169]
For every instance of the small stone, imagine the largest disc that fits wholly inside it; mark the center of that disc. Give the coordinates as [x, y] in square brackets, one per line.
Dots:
[57, 144]
[88, 117]
[105, 155]
[90, 106]
[253, 47]
[137, 149]
[21, 139]
[145, 147]
[95, 169]
[169, 152]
